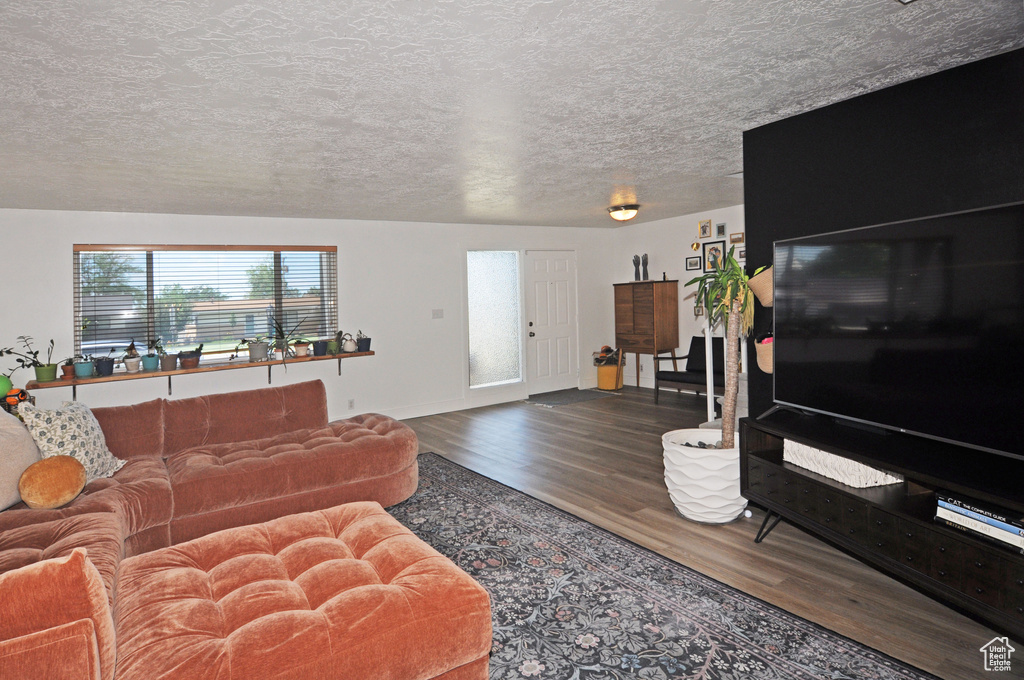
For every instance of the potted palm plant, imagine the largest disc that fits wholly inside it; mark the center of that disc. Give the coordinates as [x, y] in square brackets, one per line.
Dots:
[702, 474]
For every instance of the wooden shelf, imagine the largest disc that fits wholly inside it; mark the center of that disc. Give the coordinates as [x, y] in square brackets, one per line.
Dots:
[202, 368]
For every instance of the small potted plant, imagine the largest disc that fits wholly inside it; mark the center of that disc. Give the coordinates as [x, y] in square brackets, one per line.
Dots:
[362, 342]
[168, 362]
[29, 357]
[131, 359]
[258, 347]
[320, 347]
[300, 346]
[67, 368]
[283, 339]
[190, 359]
[151, 360]
[105, 365]
[84, 366]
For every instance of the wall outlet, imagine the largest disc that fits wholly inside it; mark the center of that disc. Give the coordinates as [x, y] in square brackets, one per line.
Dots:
[351, 404]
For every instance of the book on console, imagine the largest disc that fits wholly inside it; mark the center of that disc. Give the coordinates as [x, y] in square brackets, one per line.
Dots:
[991, 521]
[980, 530]
[991, 511]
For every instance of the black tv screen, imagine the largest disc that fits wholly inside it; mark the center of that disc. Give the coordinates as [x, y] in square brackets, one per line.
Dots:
[915, 326]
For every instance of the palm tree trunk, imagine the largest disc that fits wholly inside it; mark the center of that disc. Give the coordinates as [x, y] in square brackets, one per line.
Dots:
[732, 371]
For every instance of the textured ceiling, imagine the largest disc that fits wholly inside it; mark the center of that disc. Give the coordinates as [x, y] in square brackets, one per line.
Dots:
[481, 111]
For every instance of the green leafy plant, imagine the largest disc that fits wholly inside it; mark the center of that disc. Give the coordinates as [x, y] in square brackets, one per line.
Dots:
[28, 356]
[725, 293]
[283, 338]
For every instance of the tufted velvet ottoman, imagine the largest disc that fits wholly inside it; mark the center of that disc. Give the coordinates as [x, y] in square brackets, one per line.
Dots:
[346, 592]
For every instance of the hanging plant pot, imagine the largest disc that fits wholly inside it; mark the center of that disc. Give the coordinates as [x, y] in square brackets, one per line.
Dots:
[765, 347]
[763, 287]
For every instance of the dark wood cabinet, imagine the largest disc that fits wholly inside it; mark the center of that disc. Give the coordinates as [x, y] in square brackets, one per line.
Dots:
[893, 527]
[647, 317]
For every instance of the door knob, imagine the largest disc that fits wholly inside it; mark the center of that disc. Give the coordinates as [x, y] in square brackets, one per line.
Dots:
[532, 334]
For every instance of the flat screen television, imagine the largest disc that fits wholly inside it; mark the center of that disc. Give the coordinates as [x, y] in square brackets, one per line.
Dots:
[913, 326]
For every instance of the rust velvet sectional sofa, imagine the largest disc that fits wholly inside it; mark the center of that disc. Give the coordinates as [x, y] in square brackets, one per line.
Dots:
[243, 538]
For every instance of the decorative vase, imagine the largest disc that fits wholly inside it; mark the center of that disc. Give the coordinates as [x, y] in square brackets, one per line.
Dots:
[168, 362]
[104, 366]
[319, 348]
[703, 483]
[332, 347]
[46, 373]
[84, 369]
[258, 351]
[150, 362]
[301, 349]
[132, 364]
[363, 345]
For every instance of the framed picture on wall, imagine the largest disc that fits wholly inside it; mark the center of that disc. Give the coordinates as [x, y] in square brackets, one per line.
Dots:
[713, 250]
[705, 228]
[720, 230]
[736, 238]
[741, 254]
[692, 264]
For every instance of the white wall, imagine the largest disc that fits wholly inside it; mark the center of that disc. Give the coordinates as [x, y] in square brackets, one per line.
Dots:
[667, 243]
[391, 275]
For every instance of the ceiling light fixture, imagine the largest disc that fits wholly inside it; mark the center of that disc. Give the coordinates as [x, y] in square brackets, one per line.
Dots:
[623, 212]
[904, 2]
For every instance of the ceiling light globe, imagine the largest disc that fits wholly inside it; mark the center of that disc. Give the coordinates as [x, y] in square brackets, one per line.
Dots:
[623, 212]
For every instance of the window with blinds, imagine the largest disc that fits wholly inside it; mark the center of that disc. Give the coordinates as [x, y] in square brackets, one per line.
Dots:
[185, 296]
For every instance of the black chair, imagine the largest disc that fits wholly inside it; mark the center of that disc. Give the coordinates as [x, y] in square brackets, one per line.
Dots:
[694, 376]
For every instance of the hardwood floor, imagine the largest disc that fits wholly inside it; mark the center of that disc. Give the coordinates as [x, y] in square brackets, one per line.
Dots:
[601, 460]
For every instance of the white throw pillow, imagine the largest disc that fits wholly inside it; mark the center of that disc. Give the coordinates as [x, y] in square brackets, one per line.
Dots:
[17, 451]
[71, 430]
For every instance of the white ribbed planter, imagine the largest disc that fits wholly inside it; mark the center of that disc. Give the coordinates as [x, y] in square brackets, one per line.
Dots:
[704, 484]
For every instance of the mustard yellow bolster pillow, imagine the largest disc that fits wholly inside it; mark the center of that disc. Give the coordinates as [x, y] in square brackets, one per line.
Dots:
[51, 482]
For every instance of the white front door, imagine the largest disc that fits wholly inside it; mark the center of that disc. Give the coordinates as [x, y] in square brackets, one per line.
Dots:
[551, 329]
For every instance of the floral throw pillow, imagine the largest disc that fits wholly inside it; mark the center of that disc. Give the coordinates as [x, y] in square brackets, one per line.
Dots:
[71, 430]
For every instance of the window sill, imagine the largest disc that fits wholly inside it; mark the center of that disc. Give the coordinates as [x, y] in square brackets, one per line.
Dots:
[210, 367]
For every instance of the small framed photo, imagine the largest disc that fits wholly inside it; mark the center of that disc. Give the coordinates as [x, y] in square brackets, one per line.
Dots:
[713, 250]
[692, 264]
[720, 230]
[698, 310]
[736, 238]
[705, 228]
[741, 254]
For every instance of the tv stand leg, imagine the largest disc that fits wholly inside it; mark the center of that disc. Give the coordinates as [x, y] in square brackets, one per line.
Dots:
[763, 532]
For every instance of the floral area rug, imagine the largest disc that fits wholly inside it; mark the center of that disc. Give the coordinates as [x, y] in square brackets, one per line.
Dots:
[572, 601]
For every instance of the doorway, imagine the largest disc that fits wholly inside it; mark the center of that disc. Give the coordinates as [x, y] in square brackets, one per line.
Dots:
[552, 361]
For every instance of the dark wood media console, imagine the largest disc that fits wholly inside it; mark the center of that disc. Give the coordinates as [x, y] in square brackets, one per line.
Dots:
[892, 527]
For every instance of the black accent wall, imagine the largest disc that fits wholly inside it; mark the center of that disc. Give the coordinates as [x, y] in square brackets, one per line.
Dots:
[943, 143]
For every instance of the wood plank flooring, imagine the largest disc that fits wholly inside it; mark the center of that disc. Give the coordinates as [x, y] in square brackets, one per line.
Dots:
[601, 460]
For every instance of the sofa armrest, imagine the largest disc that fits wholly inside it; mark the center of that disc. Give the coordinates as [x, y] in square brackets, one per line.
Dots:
[66, 652]
[41, 605]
